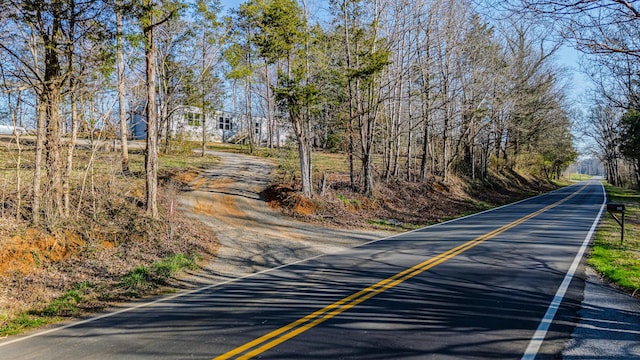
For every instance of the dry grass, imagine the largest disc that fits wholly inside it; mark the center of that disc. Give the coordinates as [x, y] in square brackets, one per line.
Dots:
[107, 236]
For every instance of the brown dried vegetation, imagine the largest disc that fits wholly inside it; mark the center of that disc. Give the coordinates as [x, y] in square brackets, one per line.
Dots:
[399, 204]
[106, 237]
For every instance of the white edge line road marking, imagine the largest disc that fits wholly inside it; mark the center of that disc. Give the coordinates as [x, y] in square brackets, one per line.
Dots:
[194, 291]
[538, 337]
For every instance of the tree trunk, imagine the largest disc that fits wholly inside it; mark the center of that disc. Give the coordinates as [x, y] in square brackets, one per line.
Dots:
[74, 119]
[350, 99]
[54, 206]
[250, 123]
[203, 101]
[121, 92]
[71, 148]
[270, 117]
[425, 144]
[367, 127]
[367, 158]
[151, 156]
[304, 151]
[52, 80]
[36, 206]
[636, 171]
[409, 137]
[15, 115]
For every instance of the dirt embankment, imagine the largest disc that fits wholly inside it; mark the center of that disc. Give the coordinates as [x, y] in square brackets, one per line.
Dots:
[400, 205]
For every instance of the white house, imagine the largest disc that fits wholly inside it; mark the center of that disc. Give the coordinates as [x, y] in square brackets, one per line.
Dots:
[12, 130]
[220, 126]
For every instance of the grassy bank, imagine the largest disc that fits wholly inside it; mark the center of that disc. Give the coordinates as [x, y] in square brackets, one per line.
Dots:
[619, 262]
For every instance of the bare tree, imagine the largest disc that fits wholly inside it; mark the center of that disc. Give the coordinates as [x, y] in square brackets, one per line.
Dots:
[597, 26]
[150, 21]
[14, 107]
[367, 55]
[122, 113]
[55, 26]
[602, 127]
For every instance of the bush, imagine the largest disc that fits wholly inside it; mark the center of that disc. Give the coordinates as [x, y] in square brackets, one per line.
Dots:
[65, 305]
[138, 280]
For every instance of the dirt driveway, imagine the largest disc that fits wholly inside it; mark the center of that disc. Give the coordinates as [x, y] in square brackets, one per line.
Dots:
[252, 236]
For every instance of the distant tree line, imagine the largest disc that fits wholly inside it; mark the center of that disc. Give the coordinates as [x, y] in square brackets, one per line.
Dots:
[408, 90]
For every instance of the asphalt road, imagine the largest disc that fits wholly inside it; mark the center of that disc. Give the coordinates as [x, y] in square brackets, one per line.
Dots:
[489, 286]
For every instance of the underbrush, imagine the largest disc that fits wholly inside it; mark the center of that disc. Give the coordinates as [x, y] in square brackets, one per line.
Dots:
[142, 278]
[395, 204]
[96, 255]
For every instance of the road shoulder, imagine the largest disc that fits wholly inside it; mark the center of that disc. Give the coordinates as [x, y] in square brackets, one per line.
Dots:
[609, 326]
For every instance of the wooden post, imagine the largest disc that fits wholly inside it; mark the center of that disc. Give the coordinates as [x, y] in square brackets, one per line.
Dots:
[617, 208]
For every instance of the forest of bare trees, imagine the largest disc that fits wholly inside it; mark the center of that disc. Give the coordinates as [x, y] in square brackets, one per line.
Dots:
[606, 33]
[407, 90]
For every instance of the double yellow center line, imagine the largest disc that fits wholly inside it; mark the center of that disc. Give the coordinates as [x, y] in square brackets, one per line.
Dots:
[278, 336]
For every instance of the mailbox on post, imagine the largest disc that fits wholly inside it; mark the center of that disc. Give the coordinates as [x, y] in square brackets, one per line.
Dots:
[614, 208]
[611, 207]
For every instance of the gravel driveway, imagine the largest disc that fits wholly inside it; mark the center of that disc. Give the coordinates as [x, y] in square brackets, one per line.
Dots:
[252, 236]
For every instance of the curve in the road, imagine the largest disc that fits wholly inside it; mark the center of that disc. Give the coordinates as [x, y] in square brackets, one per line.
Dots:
[287, 332]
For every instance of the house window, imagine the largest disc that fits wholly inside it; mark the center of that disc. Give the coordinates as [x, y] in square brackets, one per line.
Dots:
[193, 119]
[257, 128]
[224, 123]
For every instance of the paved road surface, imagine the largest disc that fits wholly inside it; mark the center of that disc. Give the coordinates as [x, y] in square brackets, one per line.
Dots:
[476, 288]
[609, 324]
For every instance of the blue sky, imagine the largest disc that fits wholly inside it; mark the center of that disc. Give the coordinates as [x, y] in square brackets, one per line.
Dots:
[569, 58]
